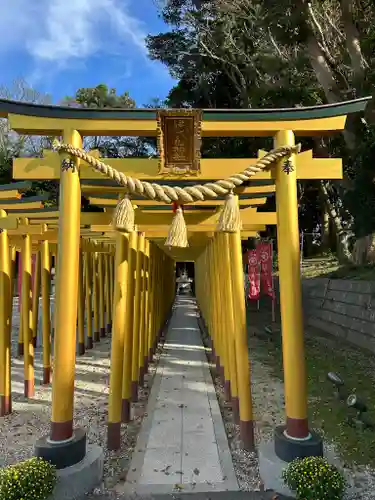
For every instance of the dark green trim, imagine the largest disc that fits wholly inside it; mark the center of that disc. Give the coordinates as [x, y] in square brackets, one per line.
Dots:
[236, 115]
[108, 183]
[168, 208]
[19, 186]
[113, 196]
[50, 111]
[21, 201]
[259, 182]
[303, 113]
[40, 211]
[110, 196]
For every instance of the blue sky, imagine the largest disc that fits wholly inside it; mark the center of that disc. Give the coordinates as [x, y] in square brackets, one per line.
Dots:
[58, 46]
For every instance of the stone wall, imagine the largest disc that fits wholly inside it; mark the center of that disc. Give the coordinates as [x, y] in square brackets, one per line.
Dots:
[345, 308]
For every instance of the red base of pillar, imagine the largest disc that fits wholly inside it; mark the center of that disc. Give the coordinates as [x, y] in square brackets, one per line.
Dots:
[81, 349]
[141, 376]
[114, 436]
[90, 343]
[134, 391]
[221, 373]
[145, 360]
[227, 391]
[20, 349]
[46, 375]
[297, 427]
[217, 365]
[61, 431]
[125, 414]
[236, 410]
[247, 435]
[5, 405]
[29, 389]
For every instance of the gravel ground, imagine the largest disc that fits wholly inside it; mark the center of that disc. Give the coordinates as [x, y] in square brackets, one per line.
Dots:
[267, 394]
[268, 401]
[31, 418]
[267, 397]
[268, 405]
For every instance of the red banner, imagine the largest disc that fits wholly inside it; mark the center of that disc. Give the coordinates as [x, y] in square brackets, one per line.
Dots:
[254, 275]
[264, 252]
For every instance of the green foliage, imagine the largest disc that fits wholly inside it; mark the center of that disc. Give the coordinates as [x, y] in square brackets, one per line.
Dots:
[361, 199]
[5, 168]
[313, 478]
[100, 96]
[13, 145]
[250, 54]
[32, 479]
[354, 365]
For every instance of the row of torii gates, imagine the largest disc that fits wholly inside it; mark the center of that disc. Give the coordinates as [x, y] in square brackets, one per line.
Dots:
[125, 279]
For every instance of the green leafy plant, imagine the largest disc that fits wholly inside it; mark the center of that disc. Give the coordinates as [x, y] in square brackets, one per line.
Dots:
[313, 478]
[33, 479]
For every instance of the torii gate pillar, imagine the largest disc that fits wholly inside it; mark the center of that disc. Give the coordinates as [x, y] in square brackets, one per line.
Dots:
[293, 439]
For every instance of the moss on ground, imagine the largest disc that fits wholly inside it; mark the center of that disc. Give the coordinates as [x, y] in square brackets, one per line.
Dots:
[329, 267]
[328, 415]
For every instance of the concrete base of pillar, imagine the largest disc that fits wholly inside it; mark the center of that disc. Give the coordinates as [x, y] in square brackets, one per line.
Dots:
[288, 449]
[65, 453]
[74, 482]
[271, 468]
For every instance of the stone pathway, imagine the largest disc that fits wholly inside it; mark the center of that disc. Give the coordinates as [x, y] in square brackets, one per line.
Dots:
[182, 446]
[223, 495]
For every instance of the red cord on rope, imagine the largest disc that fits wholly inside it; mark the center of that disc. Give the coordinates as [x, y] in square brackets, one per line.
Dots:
[175, 206]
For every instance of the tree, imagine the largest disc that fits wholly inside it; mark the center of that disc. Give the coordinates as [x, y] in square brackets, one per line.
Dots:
[13, 145]
[246, 53]
[336, 40]
[102, 96]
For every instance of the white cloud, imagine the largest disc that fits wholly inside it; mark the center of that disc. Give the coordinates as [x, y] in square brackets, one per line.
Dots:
[58, 31]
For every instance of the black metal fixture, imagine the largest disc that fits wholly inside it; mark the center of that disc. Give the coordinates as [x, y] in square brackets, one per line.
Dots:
[340, 391]
[360, 420]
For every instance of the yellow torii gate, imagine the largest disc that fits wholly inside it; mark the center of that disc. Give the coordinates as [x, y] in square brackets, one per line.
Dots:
[28, 238]
[180, 164]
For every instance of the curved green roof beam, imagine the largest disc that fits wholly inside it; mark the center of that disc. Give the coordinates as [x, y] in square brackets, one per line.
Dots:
[236, 115]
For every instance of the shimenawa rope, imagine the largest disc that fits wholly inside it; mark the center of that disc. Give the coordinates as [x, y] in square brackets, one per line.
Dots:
[229, 220]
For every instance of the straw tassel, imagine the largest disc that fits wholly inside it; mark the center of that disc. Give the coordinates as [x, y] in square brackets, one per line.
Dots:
[230, 218]
[177, 236]
[123, 219]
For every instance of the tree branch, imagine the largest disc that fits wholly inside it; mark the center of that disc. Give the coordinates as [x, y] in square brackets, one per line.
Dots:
[353, 45]
[276, 47]
[316, 24]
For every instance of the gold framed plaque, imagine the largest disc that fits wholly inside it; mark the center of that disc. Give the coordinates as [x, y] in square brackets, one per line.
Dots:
[179, 141]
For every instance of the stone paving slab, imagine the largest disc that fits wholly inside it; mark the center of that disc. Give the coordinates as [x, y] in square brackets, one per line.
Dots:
[215, 495]
[182, 442]
[220, 495]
